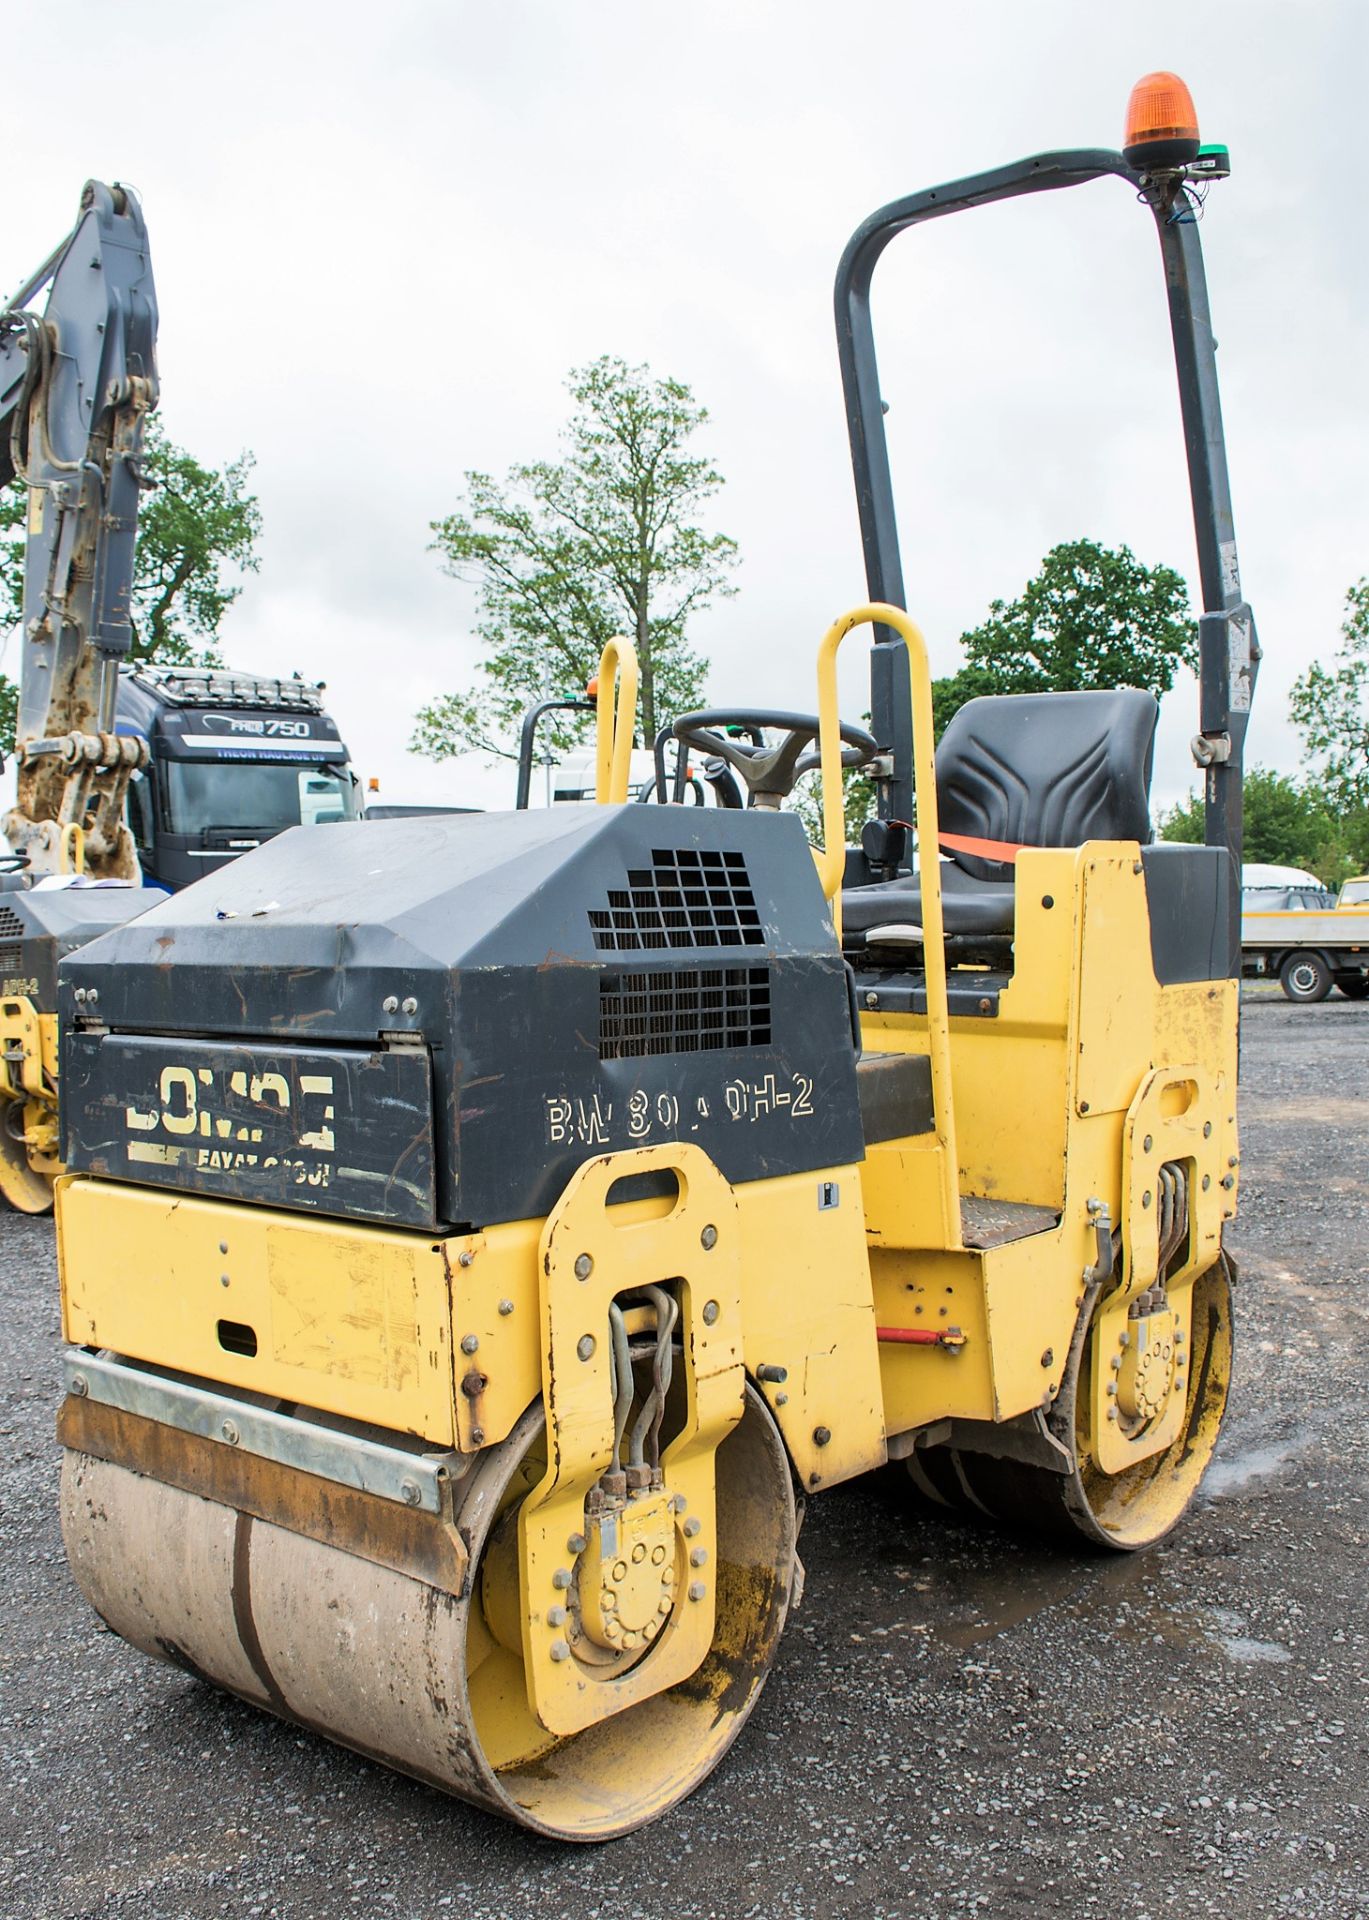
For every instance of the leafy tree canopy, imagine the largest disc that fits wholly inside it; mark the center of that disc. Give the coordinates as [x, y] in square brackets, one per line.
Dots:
[1288, 823]
[566, 554]
[1330, 708]
[1092, 617]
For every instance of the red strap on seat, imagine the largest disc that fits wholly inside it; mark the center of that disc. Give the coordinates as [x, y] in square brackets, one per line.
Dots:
[1006, 850]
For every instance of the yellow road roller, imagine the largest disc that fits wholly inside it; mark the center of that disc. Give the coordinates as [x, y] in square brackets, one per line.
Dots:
[481, 1243]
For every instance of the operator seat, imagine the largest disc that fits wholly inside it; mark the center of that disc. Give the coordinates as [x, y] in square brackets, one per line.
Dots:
[1021, 770]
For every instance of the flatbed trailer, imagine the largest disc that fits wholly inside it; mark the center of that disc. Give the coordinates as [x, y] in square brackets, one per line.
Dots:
[1308, 950]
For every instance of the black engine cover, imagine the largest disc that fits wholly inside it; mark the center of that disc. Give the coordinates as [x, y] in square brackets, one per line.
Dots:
[568, 981]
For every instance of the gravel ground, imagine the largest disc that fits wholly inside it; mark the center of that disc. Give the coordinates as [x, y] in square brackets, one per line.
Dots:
[958, 1724]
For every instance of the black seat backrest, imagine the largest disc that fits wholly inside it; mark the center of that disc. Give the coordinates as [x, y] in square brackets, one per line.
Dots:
[1046, 770]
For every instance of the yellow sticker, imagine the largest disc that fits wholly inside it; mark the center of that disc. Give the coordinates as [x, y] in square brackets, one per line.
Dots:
[36, 498]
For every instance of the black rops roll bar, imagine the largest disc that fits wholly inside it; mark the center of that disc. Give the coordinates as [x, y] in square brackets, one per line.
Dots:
[1229, 651]
[527, 740]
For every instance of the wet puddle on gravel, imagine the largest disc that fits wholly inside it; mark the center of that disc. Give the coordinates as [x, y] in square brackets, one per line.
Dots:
[1238, 1464]
[1113, 1598]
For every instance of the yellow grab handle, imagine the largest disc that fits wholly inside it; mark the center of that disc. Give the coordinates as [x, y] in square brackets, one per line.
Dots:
[71, 849]
[615, 717]
[832, 860]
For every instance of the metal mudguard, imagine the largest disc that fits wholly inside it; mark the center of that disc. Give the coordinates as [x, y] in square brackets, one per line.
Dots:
[584, 979]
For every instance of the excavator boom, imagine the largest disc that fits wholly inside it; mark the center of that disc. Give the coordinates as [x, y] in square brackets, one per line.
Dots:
[76, 385]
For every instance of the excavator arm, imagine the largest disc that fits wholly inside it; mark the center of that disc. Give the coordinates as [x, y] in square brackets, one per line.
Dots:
[76, 385]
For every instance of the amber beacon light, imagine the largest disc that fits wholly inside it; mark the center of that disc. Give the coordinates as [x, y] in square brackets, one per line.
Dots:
[1162, 124]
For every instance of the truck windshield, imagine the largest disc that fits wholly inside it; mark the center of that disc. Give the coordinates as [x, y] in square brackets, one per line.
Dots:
[255, 796]
[1355, 893]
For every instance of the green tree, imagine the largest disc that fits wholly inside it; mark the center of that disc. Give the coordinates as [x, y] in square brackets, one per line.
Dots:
[565, 554]
[1288, 823]
[198, 526]
[1330, 708]
[1092, 617]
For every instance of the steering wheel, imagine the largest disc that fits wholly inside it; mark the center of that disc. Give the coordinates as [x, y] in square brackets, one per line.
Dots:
[769, 773]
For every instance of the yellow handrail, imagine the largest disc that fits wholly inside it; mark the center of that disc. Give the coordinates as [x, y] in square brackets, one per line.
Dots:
[832, 860]
[614, 720]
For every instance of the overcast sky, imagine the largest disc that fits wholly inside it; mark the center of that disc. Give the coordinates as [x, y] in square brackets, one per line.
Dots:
[383, 235]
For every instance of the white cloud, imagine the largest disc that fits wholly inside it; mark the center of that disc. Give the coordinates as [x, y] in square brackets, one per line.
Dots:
[382, 237]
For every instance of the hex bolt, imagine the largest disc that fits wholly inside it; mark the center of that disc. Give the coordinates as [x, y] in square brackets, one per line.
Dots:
[1116, 1361]
[679, 1503]
[409, 1006]
[1232, 1161]
[390, 1004]
[80, 1386]
[585, 1346]
[769, 1372]
[1178, 1336]
[559, 1650]
[1112, 1413]
[698, 1556]
[664, 1605]
[561, 1578]
[691, 1527]
[409, 1492]
[477, 1436]
[708, 1239]
[556, 1616]
[1048, 1357]
[821, 1435]
[577, 1543]
[710, 1313]
[697, 1589]
[470, 1343]
[465, 1258]
[584, 1266]
[506, 1308]
[229, 1430]
[79, 996]
[1112, 1386]
[781, 1399]
[1228, 1181]
[92, 995]
[872, 1000]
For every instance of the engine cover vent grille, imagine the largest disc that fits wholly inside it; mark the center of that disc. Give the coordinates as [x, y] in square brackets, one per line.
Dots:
[11, 926]
[699, 1010]
[11, 957]
[688, 897]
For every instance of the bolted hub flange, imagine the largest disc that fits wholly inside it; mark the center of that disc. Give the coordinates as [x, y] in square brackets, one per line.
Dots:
[1145, 1377]
[627, 1575]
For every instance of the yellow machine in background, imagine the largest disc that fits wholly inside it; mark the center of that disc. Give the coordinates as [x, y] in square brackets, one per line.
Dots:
[471, 1267]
